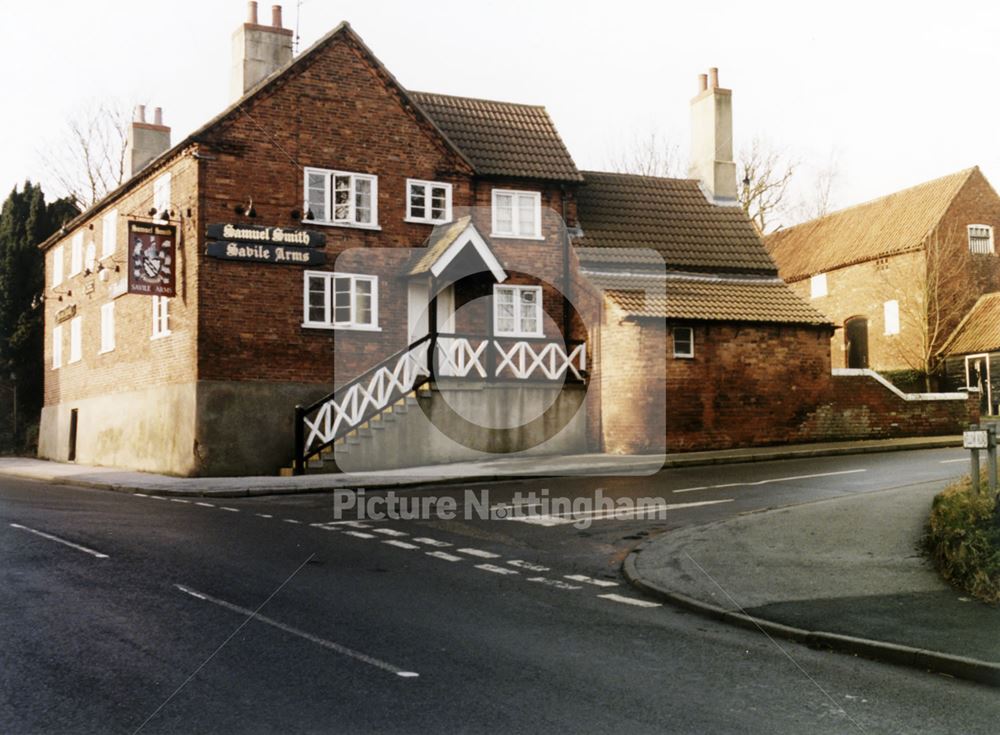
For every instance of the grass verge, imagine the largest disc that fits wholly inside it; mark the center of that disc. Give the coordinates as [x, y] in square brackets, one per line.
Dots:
[963, 540]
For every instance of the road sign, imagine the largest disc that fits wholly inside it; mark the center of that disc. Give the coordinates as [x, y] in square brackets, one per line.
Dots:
[975, 439]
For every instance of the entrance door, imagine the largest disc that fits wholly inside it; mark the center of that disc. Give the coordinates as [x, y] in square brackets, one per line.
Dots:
[417, 321]
[74, 417]
[977, 375]
[856, 346]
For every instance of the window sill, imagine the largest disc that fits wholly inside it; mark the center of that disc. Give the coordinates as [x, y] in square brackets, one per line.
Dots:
[519, 335]
[415, 221]
[498, 236]
[347, 225]
[683, 357]
[342, 327]
[161, 335]
[105, 352]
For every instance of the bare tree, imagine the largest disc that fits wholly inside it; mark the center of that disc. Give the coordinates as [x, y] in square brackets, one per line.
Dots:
[932, 298]
[763, 175]
[817, 199]
[88, 159]
[648, 155]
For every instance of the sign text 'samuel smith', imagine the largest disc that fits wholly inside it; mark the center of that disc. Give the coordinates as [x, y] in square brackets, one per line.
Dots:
[257, 244]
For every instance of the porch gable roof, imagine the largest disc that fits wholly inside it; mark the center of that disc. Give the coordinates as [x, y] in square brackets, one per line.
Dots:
[447, 241]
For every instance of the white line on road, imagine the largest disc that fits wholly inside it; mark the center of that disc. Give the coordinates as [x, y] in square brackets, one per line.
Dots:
[291, 520]
[63, 541]
[560, 519]
[495, 569]
[400, 544]
[231, 510]
[765, 482]
[557, 583]
[141, 495]
[949, 461]
[590, 580]
[343, 650]
[479, 553]
[443, 555]
[359, 534]
[521, 564]
[630, 600]
[433, 542]
[205, 505]
[157, 497]
[180, 500]
[352, 524]
[389, 532]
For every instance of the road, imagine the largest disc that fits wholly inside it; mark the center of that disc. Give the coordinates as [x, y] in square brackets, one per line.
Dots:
[145, 622]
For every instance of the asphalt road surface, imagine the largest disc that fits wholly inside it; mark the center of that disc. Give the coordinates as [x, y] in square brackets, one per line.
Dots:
[125, 613]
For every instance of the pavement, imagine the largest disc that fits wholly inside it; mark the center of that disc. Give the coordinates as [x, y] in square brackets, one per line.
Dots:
[121, 480]
[845, 573]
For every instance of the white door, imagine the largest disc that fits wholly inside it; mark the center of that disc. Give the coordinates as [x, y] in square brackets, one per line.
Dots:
[417, 319]
[977, 375]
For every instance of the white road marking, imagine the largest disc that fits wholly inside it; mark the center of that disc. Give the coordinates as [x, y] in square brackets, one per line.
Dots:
[433, 542]
[205, 505]
[352, 524]
[231, 510]
[766, 482]
[400, 544]
[390, 532]
[591, 580]
[359, 534]
[560, 519]
[630, 600]
[291, 520]
[179, 500]
[521, 564]
[263, 515]
[949, 461]
[157, 497]
[63, 541]
[480, 554]
[141, 495]
[443, 555]
[330, 645]
[557, 583]
[495, 569]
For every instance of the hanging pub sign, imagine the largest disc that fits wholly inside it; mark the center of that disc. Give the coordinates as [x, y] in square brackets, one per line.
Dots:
[256, 244]
[151, 259]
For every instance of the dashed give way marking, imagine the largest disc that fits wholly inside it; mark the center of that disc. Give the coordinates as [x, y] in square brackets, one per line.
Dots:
[481, 554]
[630, 600]
[495, 569]
[330, 645]
[590, 580]
[443, 555]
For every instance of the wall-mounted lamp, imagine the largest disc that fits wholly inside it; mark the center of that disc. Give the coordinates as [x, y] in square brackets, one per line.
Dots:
[67, 292]
[247, 209]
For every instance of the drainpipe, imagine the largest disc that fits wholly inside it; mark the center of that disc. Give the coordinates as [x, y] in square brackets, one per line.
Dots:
[567, 322]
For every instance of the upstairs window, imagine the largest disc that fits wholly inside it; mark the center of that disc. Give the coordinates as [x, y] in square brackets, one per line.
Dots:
[981, 239]
[817, 286]
[76, 254]
[109, 233]
[683, 342]
[75, 339]
[517, 311]
[890, 310]
[517, 214]
[340, 301]
[58, 260]
[161, 317]
[341, 198]
[57, 343]
[428, 201]
[108, 326]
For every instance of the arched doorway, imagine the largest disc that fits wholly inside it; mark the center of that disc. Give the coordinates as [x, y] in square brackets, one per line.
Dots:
[856, 342]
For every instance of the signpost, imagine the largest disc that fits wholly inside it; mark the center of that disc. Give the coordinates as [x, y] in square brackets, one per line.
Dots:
[977, 439]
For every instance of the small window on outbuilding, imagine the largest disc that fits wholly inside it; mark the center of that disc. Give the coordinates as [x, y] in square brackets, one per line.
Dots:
[890, 310]
[981, 239]
[683, 342]
[817, 286]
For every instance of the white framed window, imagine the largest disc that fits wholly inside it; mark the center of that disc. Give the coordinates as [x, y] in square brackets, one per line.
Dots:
[981, 239]
[890, 310]
[109, 233]
[161, 317]
[57, 343]
[58, 261]
[517, 214]
[817, 286]
[76, 254]
[76, 339]
[107, 326]
[340, 301]
[517, 311]
[341, 198]
[161, 196]
[683, 342]
[428, 201]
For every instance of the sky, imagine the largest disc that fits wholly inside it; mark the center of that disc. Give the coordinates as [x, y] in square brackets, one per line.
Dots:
[892, 93]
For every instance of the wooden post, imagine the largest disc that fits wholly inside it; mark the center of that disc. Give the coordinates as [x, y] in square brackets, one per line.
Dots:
[432, 329]
[991, 454]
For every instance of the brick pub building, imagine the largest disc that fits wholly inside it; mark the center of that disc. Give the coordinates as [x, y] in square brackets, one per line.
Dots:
[428, 278]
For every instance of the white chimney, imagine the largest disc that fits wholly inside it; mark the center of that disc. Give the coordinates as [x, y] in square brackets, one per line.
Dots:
[258, 50]
[145, 140]
[712, 139]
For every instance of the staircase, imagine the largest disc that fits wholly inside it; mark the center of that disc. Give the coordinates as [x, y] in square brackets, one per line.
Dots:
[359, 417]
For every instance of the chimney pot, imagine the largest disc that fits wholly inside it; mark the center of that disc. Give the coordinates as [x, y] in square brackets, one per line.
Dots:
[158, 116]
[713, 74]
[702, 82]
[140, 113]
[252, 12]
[276, 16]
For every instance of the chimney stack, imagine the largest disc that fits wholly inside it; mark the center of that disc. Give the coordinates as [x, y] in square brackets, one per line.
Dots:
[145, 141]
[712, 139]
[258, 50]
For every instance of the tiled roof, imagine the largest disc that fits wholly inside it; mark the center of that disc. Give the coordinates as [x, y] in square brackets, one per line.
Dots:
[766, 300]
[979, 331]
[893, 224]
[501, 138]
[440, 239]
[671, 216]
